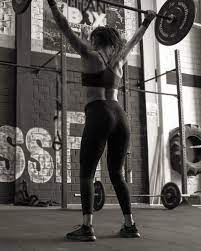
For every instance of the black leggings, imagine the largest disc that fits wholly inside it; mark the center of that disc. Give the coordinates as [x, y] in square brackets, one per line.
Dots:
[105, 122]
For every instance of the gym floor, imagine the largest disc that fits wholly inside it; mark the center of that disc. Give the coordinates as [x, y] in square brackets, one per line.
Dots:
[41, 229]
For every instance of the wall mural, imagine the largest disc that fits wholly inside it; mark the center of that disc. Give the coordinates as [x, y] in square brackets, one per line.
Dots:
[41, 166]
[38, 142]
[12, 159]
[78, 18]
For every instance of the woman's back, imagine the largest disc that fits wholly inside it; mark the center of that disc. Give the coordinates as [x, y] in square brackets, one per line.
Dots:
[99, 78]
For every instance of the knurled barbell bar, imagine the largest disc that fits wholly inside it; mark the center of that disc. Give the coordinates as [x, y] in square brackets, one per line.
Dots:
[112, 3]
[170, 195]
[173, 21]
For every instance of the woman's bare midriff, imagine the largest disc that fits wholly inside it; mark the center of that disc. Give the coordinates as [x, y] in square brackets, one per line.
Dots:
[111, 94]
[100, 93]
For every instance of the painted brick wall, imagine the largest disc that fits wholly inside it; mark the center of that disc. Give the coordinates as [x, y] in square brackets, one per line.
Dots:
[138, 147]
[131, 25]
[7, 24]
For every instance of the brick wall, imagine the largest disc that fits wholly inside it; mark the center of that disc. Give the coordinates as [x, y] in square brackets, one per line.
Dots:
[7, 117]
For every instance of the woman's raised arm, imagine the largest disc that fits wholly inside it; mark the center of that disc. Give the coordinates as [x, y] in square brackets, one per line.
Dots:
[138, 34]
[79, 45]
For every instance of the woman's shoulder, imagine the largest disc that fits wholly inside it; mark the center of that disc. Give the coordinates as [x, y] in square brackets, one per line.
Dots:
[92, 62]
[117, 68]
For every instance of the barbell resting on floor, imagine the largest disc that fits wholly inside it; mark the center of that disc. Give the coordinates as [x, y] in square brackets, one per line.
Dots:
[170, 195]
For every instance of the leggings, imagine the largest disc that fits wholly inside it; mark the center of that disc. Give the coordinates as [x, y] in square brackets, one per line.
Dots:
[106, 122]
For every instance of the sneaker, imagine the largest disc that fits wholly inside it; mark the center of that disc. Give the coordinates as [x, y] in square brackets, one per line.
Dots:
[83, 233]
[129, 232]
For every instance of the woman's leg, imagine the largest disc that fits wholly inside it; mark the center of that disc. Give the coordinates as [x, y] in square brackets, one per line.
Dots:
[98, 126]
[116, 153]
[90, 153]
[117, 149]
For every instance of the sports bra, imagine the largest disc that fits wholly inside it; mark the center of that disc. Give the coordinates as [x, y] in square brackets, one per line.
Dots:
[106, 78]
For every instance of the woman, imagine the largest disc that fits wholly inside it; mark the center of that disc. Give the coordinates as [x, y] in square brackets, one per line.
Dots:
[102, 60]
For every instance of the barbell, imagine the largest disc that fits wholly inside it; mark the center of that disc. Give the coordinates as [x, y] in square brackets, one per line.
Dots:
[170, 195]
[173, 22]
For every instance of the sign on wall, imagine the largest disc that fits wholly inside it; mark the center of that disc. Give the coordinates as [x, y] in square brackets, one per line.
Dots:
[76, 14]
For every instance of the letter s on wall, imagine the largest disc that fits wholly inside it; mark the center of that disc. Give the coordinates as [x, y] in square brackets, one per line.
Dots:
[42, 171]
[12, 162]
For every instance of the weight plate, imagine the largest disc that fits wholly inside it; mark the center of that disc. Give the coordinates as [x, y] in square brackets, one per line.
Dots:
[172, 32]
[170, 195]
[20, 6]
[99, 198]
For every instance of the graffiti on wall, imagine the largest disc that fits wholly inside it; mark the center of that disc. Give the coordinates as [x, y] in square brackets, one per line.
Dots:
[12, 159]
[78, 17]
[7, 18]
[40, 166]
[73, 144]
[39, 162]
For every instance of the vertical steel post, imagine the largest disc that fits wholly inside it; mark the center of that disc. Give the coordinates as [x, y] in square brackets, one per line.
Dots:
[181, 121]
[143, 98]
[64, 123]
[126, 109]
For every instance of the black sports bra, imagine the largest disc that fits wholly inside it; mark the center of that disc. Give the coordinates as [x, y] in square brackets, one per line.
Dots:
[106, 78]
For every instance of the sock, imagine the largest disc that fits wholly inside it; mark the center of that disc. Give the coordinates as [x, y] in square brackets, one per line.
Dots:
[87, 219]
[128, 220]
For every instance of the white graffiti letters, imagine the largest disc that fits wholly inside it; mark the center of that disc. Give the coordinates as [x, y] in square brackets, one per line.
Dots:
[43, 172]
[12, 160]
[38, 141]
[75, 16]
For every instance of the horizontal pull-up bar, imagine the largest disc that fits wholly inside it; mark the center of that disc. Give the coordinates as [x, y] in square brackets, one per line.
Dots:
[36, 68]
